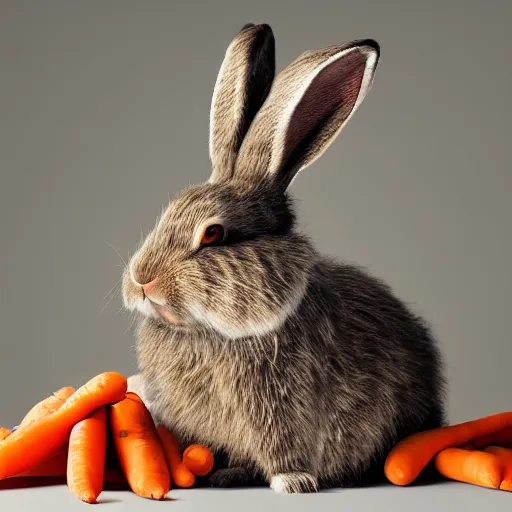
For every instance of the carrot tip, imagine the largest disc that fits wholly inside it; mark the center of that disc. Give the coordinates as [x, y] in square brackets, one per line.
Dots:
[198, 459]
[397, 477]
[157, 494]
[89, 498]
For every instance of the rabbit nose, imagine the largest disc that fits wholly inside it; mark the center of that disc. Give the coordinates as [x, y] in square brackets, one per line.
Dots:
[148, 287]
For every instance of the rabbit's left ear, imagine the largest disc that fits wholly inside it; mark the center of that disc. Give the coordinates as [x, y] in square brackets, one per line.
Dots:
[310, 102]
[243, 83]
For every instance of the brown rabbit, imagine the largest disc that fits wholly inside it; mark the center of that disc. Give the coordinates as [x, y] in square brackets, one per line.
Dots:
[303, 371]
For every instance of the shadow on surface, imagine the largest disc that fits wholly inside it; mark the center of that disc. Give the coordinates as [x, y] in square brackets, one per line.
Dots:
[32, 482]
[105, 501]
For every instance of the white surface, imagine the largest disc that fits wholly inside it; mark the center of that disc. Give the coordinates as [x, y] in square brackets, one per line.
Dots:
[448, 496]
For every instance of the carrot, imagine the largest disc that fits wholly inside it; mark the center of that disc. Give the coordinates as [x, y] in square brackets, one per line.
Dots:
[471, 466]
[47, 406]
[499, 438]
[410, 456]
[139, 451]
[33, 443]
[198, 459]
[4, 432]
[181, 475]
[86, 456]
[505, 456]
[55, 465]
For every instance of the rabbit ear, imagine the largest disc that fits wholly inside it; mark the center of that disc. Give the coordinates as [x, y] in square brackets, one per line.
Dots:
[243, 83]
[310, 102]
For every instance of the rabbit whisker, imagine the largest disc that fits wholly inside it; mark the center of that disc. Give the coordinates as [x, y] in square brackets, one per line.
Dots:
[110, 291]
[118, 253]
[111, 295]
[131, 324]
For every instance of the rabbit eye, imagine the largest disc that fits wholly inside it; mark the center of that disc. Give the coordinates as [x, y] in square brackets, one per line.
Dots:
[212, 234]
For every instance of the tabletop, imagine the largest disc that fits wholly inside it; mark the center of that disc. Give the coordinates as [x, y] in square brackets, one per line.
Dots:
[445, 496]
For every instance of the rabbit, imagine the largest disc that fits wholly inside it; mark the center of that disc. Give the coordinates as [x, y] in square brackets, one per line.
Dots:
[300, 371]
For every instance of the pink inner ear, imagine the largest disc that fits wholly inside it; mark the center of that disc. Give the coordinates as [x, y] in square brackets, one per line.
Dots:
[326, 104]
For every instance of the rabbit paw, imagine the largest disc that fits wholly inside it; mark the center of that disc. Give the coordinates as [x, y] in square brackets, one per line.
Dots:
[229, 477]
[292, 483]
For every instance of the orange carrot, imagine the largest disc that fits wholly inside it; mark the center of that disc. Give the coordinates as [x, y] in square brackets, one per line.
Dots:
[138, 449]
[198, 459]
[33, 443]
[499, 438]
[47, 406]
[86, 456]
[181, 475]
[505, 456]
[4, 432]
[55, 465]
[471, 466]
[410, 456]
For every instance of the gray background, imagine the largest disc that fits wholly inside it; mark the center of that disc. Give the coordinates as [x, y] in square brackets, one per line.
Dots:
[104, 110]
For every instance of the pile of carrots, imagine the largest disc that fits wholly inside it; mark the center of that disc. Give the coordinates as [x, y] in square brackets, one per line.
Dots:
[477, 452]
[66, 435]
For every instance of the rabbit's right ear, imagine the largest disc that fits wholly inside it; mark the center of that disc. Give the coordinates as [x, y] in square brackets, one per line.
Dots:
[243, 84]
[310, 102]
